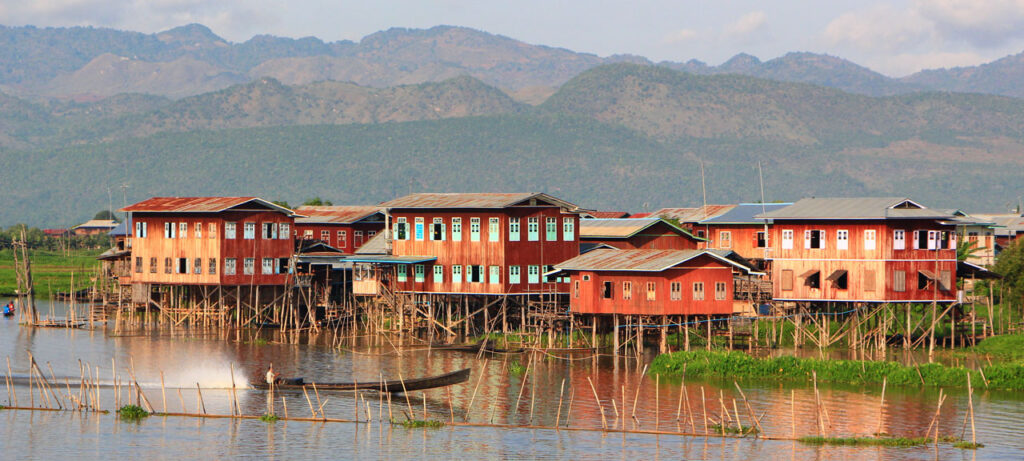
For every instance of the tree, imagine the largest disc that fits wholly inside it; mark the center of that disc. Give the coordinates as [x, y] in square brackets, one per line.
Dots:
[1010, 265]
[105, 215]
[966, 249]
[317, 201]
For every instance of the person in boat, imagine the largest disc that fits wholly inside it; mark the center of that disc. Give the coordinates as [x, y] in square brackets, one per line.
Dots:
[9, 308]
[272, 378]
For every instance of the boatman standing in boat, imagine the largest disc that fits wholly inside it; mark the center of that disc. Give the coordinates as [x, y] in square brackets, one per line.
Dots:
[271, 376]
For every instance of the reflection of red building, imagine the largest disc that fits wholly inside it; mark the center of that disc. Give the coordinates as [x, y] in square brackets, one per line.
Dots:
[653, 282]
[343, 227]
[888, 249]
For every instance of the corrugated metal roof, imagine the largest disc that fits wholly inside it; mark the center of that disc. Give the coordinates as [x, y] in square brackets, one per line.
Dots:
[622, 227]
[641, 260]
[744, 213]
[123, 228]
[387, 259]
[197, 205]
[335, 214]
[692, 214]
[97, 223]
[856, 208]
[606, 214]
[377, 245]
[473, 200]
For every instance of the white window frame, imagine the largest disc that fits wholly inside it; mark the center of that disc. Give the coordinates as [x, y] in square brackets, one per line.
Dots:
[842, 239]
[494, 275]
[438, 273]
[513, 229]
[401, 228]
[198, 230]
[724, 239]
[456, 229]
[249, 266]
[402, 272]
[284, 231]
[419, 273]
[230, 266]
[721, 291]
[474, 229]
[551, 229]
[698, 291]
[418, 229]
[249, 230]
[456, 274]
[533, 229]
[899, 239]
[513, 275]
[169, 229]
[493, 229]
[787, 239]
[532, 274]
[568, 229]
[182, 230]
[433, 226]
[870, 240]
[267, 266]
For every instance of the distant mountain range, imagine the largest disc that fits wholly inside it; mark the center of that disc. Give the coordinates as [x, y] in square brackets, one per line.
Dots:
[85, 63]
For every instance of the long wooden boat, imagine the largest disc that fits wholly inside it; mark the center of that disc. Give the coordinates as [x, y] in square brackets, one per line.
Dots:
[485, 345]
[415, 384]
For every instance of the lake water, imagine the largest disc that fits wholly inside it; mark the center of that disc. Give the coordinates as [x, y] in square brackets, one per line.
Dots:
[187, 357]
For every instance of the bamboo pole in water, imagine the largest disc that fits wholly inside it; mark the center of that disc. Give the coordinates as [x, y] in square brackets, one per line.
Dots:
[202, 404]
[881, 404]
[604, 421]
[561, 393]
[970, 409]
[750, 410]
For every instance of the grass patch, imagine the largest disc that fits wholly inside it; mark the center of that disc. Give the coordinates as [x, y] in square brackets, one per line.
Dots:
[51, 270]
[269, 418]
[132, 413]
[965, 445]
[516, 368]
[717, 429]
[867, 441]
[417, 423]
[1007, 346]
[734, 364]
[257, 342]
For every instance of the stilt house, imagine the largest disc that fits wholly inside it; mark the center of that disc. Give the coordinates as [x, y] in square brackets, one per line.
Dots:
[343, 227]
[637, 234]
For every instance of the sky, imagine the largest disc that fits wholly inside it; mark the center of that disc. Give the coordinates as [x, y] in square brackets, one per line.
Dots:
[895, 37]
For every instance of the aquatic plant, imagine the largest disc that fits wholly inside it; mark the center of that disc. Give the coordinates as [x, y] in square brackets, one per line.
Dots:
[965, 445]
[717, 429]
[417, 423]
[516, 368]
[257, 342]
[867, 441]
[269, 418]
[733, 364]
[132, 413]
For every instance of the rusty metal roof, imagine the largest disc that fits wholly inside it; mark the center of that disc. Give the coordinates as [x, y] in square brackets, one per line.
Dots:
[475, 200]
[623, 227]
[856, 208]
[606, 214]
[198, 205]
[693, 214]
[335, 214]
[97, 224]
[642, 260]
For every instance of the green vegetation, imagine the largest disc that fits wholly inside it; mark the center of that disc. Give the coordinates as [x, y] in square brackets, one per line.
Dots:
[418, 423]
[867, 441]
[1004, 346]
[731, 364]
[257, 342]
[965, 445]
[51, 270]
[269, 418]
[1010, 265]
[132, 413]
[717, 429]
[515, 368]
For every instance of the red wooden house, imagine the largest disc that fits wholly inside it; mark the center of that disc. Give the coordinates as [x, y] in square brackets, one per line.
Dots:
[210, 241]
[478, 243]
[636, 234]
[343, 227]
[653, 282]
[738, 230]
[687, 218]
[888, 249]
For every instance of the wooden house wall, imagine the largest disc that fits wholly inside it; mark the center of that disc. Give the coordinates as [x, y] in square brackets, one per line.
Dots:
[656, 237]
[349, 245]
[208, 246]
[856, 259]
[703, 269]
[502, 253]
[743, 239]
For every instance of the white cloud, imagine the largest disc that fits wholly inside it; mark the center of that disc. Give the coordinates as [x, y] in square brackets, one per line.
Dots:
[746, 25]
[986, 23]
[882, 28]
[678, 36]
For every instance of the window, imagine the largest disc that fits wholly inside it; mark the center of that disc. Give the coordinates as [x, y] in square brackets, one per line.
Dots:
[403, 274]
[213, 266]
[475, 274]
[152, 265]
[899, 241]
[787, 280]
[933, 240]
[494, 275]
[869, 239]
[899, 281]
[283, 266]
[342, 239]
[568, 229]
[141, 229]
[532, 274]
[229, 266]
[812, 279]
[724, 239]
[839, 279]
[720, 291]
[701, 234]
[493, 230]
[249, 231]
[249, 266]
[307, 234]
[814, 239]
[438, 273]
[945, 280]
[533, 229]
[474, 229]
[419, 273]
[370, 234]
[456, 273]
[586, 278]
[211, 230]
[325, 236]
[457, 229]
[787, 239]
[357, 238]
[761, 240]
[513, 274]
[169, 230]
[606, 290]
[698, 291]
[168, 266]
[651, 293]
[551, 229]
[576, 289]
[268, 266]
[437, 231]
[199, 230]
[627, 290]
[138, 264]
[513, 229]
[869, 280]
[182, 230]
[401, 229]
[417, 230]
[675, 291]
[923, 280]
[842, 240]
[286, 231]
[944, 239]
[197, 266]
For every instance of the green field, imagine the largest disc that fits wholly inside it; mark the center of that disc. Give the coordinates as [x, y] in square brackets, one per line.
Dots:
[51, 270]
